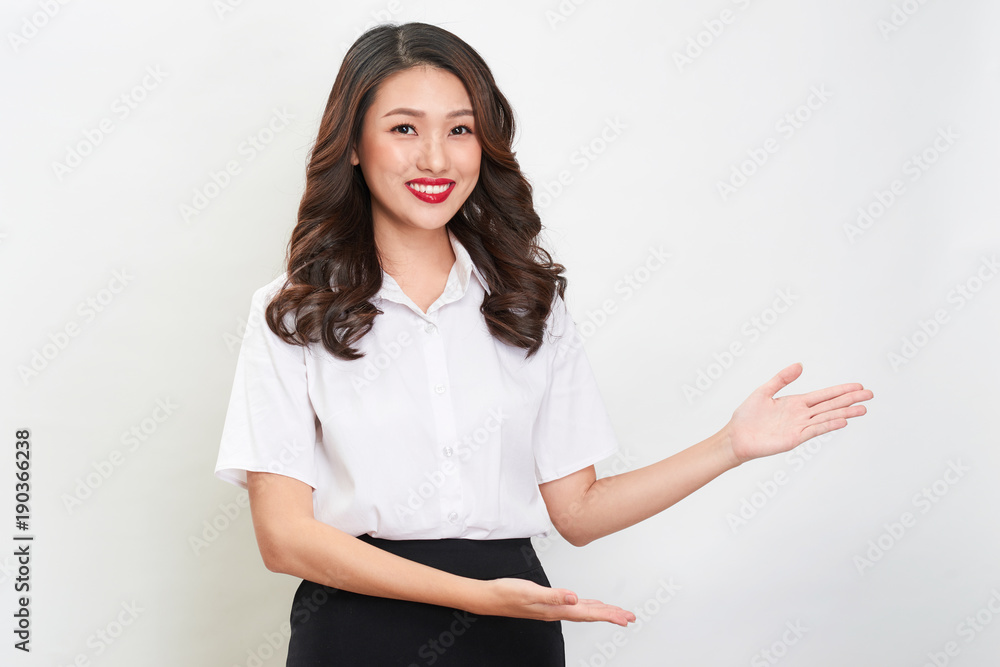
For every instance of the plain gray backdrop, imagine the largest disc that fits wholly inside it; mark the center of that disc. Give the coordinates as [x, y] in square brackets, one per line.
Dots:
[821, 176]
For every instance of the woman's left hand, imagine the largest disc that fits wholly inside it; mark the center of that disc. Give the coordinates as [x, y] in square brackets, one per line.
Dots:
[763, 425]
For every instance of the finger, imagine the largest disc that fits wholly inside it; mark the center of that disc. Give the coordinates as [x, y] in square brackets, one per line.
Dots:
[604, 612]
[590, 611]
[810, 432]
[621, 616]
[563, 596]
[842, 413]
[599, 612]
[820, 395]
[842, 401]
[782, 379]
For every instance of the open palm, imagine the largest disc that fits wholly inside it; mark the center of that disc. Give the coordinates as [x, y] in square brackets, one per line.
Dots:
[763, 425]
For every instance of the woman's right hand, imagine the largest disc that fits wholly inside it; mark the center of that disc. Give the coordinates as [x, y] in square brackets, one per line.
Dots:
[521, 598]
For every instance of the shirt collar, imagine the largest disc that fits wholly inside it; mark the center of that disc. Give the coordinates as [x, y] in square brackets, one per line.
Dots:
[456, 287]
[465, 265]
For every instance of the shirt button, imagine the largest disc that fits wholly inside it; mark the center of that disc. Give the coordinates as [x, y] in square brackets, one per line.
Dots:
[439, 388]
[430, 328]
[453, 517]
[448, 451]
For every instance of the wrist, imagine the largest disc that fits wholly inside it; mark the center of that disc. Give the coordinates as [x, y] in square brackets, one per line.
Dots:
[476, 596]
[725, 450]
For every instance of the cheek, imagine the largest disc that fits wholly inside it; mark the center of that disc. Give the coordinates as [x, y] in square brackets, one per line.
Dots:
[386, 159]
[471, 162]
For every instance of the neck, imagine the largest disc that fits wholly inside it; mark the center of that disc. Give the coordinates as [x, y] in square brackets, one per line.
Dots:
[413, 254]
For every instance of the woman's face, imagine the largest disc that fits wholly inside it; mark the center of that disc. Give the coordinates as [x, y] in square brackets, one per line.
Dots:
[418, 134]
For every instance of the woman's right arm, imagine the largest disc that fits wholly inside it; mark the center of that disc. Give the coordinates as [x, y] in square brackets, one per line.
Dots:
[293, 542]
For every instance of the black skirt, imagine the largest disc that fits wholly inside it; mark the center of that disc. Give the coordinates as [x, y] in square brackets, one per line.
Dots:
[336, 627]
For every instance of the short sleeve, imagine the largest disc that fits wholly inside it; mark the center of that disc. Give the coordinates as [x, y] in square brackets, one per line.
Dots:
[270, 423]
[572, 429]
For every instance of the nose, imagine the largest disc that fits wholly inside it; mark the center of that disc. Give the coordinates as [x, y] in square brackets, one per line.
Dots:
[433, 155]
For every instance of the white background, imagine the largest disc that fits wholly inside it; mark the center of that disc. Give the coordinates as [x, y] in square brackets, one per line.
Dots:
[672, 131]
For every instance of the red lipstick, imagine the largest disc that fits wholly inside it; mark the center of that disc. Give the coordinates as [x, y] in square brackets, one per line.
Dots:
[435, 198]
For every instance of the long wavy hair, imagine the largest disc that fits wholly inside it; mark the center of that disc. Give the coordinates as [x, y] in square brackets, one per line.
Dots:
[333, 269]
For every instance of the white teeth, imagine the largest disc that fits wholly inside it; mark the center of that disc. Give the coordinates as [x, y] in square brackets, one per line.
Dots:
[429, 189]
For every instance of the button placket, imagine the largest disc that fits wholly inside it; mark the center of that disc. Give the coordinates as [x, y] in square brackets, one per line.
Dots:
[443, 409]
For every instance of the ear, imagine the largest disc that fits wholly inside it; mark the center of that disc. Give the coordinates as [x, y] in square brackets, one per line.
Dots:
[354, 158]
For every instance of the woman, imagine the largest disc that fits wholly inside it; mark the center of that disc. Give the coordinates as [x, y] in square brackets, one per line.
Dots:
[412, 400]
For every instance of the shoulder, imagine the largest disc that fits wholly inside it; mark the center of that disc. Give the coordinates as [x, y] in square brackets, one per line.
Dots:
[264, 294]
[262, 298]
[559, 319]
[562, 339]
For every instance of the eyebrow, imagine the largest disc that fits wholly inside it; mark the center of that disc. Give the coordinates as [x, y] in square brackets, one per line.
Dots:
[403, 111]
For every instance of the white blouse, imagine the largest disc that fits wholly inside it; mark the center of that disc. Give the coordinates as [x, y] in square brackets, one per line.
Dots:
[439, 431]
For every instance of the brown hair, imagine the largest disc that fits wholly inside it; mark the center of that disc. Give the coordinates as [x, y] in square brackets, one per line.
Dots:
[332, 262]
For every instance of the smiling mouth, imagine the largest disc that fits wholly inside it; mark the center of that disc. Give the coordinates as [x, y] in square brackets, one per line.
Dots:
[431, 192]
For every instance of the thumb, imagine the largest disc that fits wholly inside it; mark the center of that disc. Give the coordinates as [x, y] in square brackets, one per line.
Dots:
[782, 379]
[563, 596]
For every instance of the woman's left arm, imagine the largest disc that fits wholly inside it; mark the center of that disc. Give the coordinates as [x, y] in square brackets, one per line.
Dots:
[583, 508]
